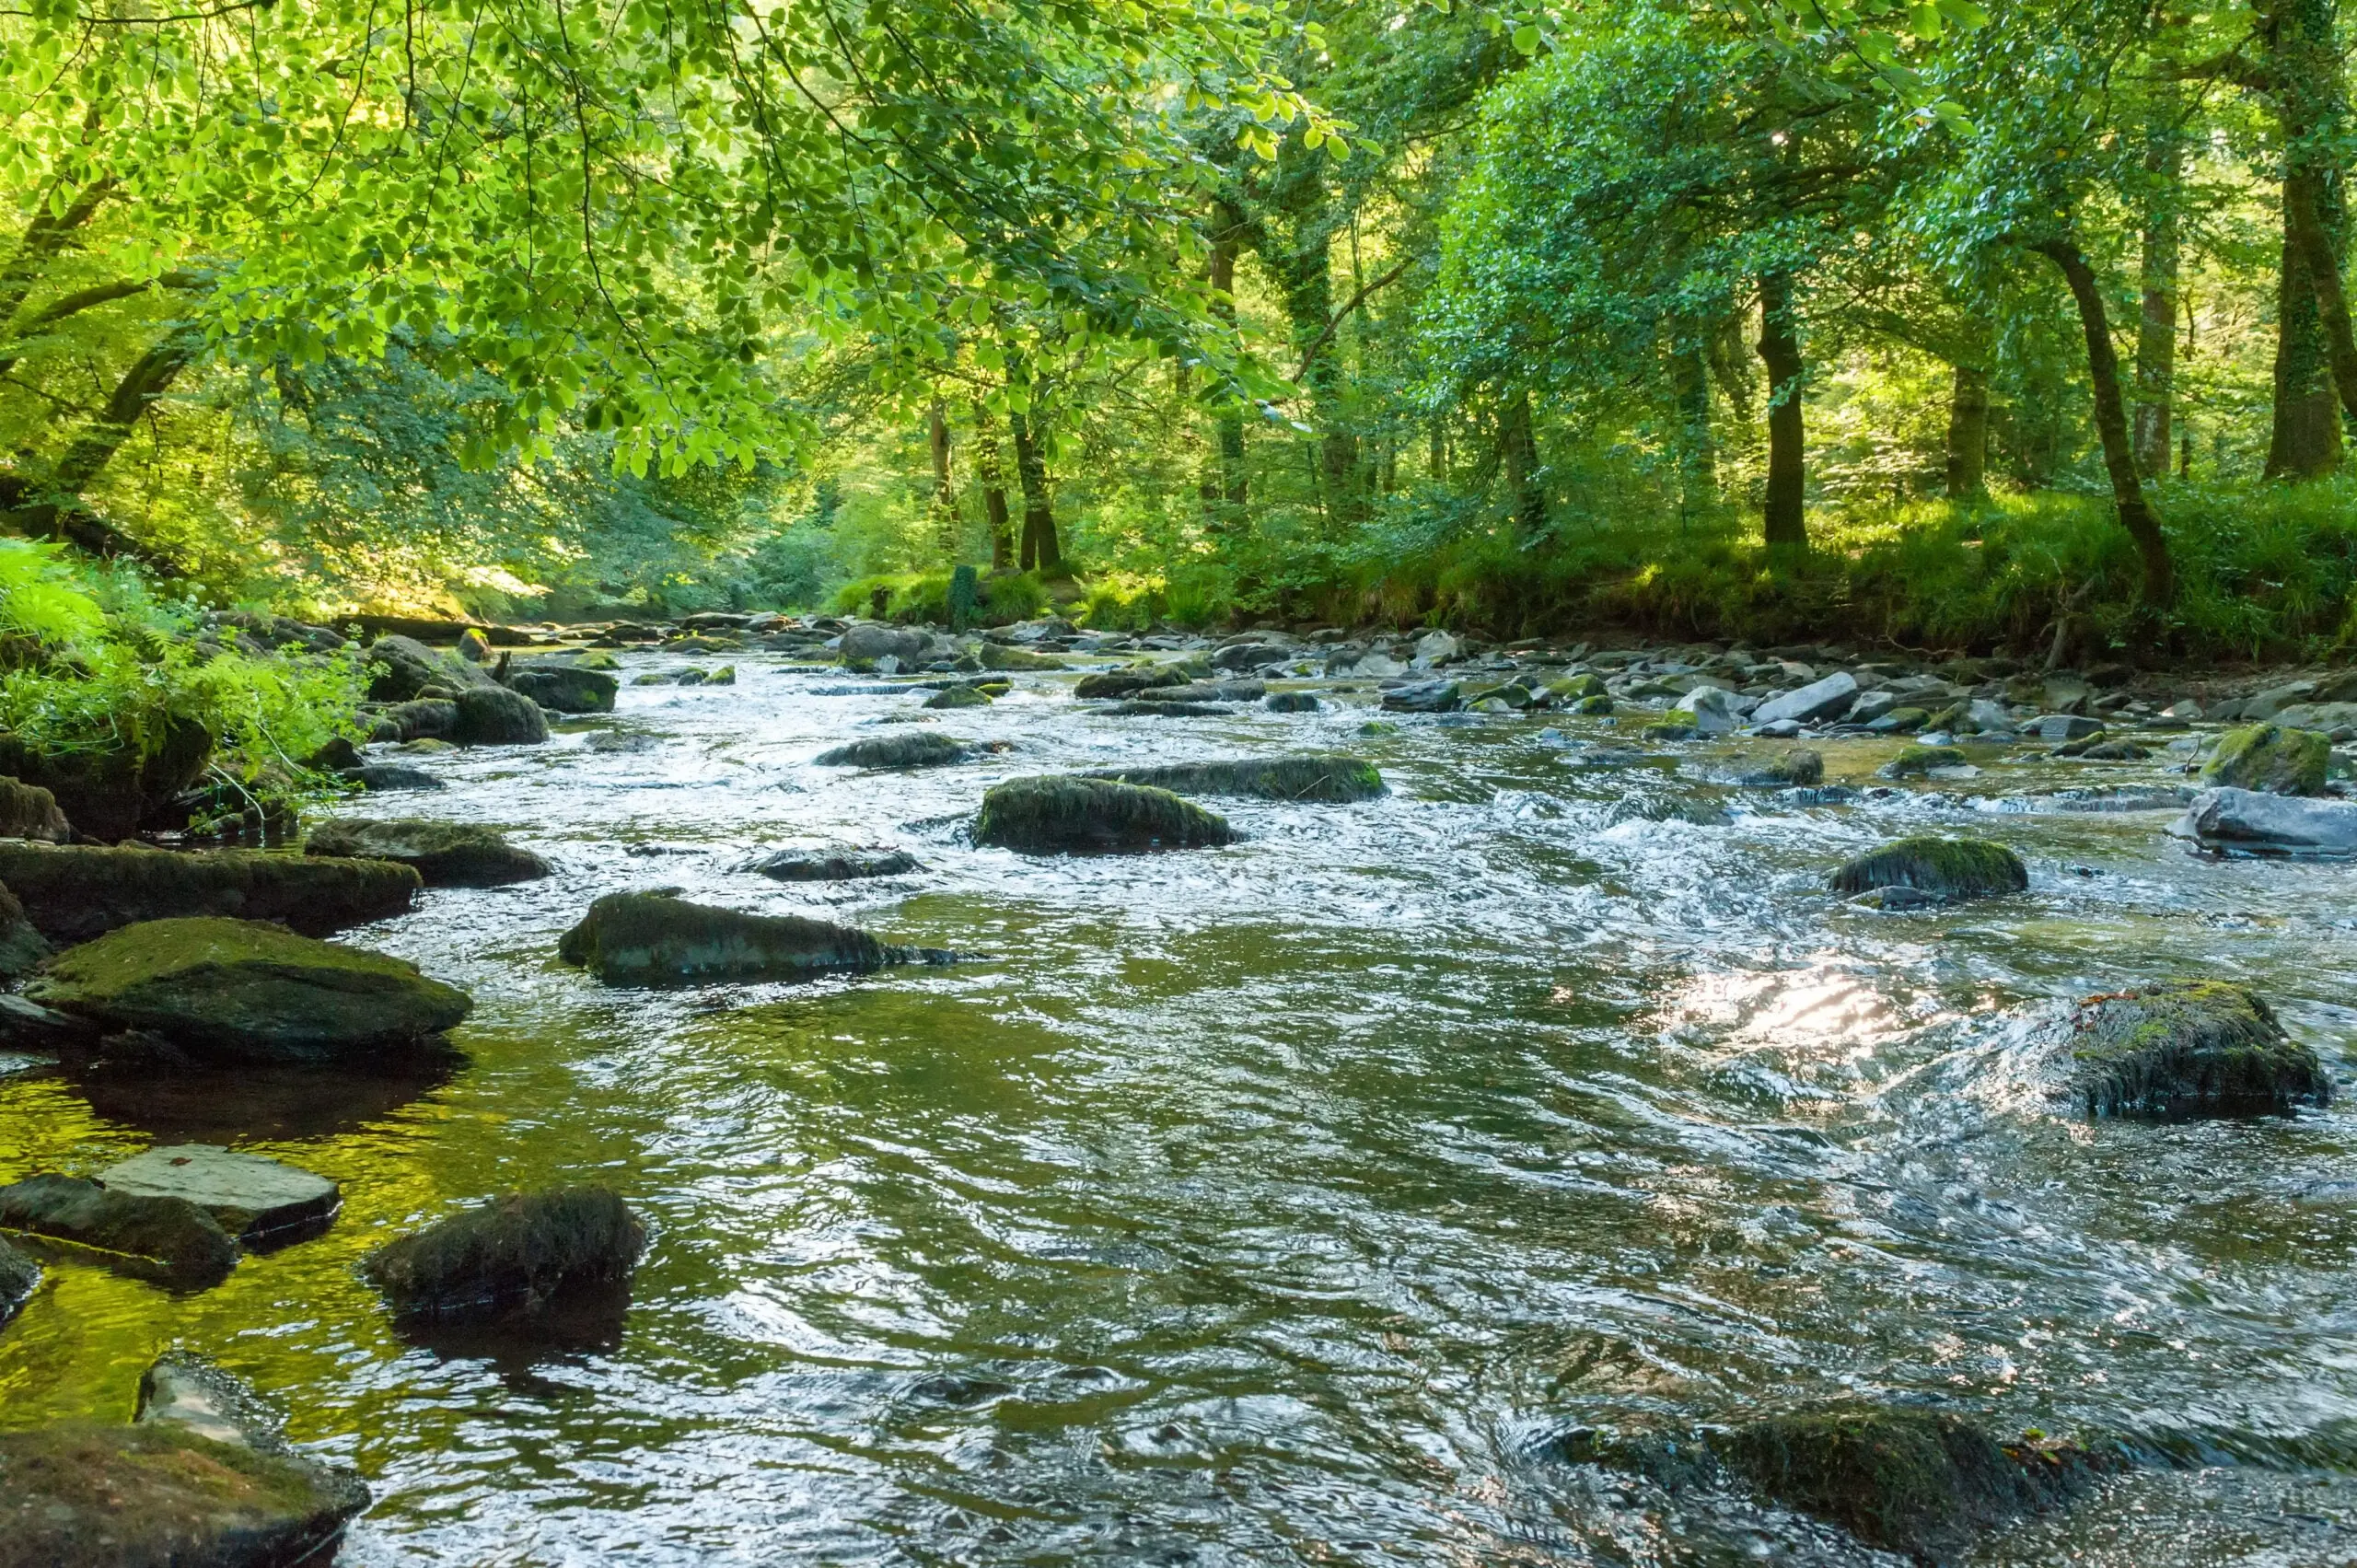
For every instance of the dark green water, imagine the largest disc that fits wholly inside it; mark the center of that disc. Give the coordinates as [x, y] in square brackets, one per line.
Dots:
[1279, 1204]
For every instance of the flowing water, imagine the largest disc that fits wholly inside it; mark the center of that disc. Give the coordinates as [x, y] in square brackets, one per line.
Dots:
[1285, 1203]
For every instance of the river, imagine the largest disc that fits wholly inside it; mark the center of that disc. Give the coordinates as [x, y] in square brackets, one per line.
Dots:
[1284, 1203]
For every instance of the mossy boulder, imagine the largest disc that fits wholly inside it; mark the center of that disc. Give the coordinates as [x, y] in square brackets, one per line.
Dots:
[918, 748]
[998, 655]
[444, 854]
[107, 796]
[1157, 708]
[1327, 779]
[169, 1240]
[1918, 761]
[410, 669]
[1924, 1484]
[1573, 688]
[492, 715]
[19, 1276]
[834, 866]
[1292, 702]
[1800, 768]
[1941, 870]
[1057, 814]
[1671, 727]
[423, 718]
[161, 1495]
[518, 1256]
[958, 697]
[656, 939]
[28, 812]
[1127, 682]
[377, 778]
[1901, 721]
[1592, 707]
[2270, 757]
[21, 946]
[2196, 1048]
[76, 892]
[566, 688]
[245, 989]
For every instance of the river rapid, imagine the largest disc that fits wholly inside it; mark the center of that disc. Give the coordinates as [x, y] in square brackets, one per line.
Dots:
[1285, 1203]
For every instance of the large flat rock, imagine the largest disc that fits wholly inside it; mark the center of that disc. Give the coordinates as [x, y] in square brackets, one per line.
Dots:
[445, 855]
[653, 939]
[258, 1200]
[76, 892]
[169, 1240]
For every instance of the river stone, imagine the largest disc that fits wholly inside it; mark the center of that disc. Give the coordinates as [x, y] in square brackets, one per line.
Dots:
[161, 1495]
[409, 666]
[1714, 710]
[108, 794]
[2270, 757]
[1802, 766]
[1291, 703]
[1153, 707]
[918, 748]
[445, 855]
[958, 697]
[2196, 1048]
[998, 655]
[514, 1257]
[186, 1391]
[1127, 682]
[1944, 870]
[258, 1200]
[27, 1025]
[1423, 697]
[1921, 1483]
[1211, 691]
[1329, 780]
[26, 812]
[1815, 702]
[424, 718]
[656, 939]
[21, 946]
[74, 892]
[1048, 816]
[834, 866]
[2245, 821]
[248, 991]
[19, 1276]
[866, 643]
[492, 715]
[376, 777]
[566, 689]
[1916, 762]
[169, 1240]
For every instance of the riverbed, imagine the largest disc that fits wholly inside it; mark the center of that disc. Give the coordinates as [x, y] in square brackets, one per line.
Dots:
[1284, 1203]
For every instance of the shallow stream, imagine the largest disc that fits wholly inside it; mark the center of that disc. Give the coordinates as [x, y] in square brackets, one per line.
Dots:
[1280, 1203]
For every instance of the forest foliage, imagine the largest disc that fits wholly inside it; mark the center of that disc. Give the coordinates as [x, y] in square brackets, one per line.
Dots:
[1945, 324]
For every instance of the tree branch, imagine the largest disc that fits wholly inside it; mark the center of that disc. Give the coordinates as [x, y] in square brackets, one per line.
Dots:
[1309, 354]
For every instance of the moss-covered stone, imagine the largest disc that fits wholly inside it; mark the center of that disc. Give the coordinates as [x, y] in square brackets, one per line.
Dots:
[1328, 779]
[160, 1495]
[574, 688]
[514, 1257]
[1591, 707]
[1798, 768]
[1049, 815]
[445, 855]
[1921, 1483]
[1944, 869]
[19, 1276]
[2272, 757]
[1291, 703]
[1670, 728]
[1902, 721]
[108, 794]
[834, 866]
[998, 655]
[1127, 682]
[918, 748]
[1572, 688]
[26, 812]
[74, 892]
[1916, 762]
[653, 939]
[958, 697]
[169, 1240]
[249, 990]
[2198, 1049]
[1152, 707]
[724, 675]
[492, 715]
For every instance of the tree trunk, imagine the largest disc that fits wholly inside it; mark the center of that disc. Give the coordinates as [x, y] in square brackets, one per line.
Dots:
[1042, 551]
[1519, 444]
[1968, 435]
[2322, 264]
[988, 469]
[1780, 351]
[2305, 78]
[1698, 465]
[50, 507]
[944, 500]
[1230, 489]
[2156, 328]
[2111, 424]
[2303, 435]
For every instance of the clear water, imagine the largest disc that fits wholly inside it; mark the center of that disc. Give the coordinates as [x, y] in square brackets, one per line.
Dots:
[1279, 1204]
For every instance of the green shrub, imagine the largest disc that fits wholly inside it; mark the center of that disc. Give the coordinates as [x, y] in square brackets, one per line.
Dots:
[912, 597]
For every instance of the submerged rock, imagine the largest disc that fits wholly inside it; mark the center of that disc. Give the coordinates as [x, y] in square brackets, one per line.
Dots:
[1918, 761]
[998, 655]
[1921, 1483]
[257, 1201]
[2244, 821]
[958, 697]
[1944, 870]
[1332, 779]
[1423, 697]
[834, 866]
[1127, 682]
[74, 892]
[1291, 703]
[1802, 766]
[26, 812]
[1149, 707]
[379, 776]
[169, 1240]
[918, 748]
[19, 1277]
[444, 854]
[492, 715]
[2271, 759]
[246, 990]
[1051, 814]
[2198, 1049]
[514, 1257]
[566, 688]
[656, 939]
[161, 1494]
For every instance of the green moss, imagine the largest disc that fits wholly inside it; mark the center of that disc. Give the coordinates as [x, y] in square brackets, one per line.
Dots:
[649, 940]
[1109, 683]
[1800, 767]
[2198, 1049]
[2269, 757]
[1915, 761]
[1903, 720]
[958, 697]
[514, 1255]
[1592, 706]
[919, 748]
[1945, 868]
[446, 854]
[1328, 779]
[1571, 688]
[1052, 815]
[1676, 727]
[74, 892]
[998, 655]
